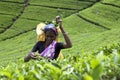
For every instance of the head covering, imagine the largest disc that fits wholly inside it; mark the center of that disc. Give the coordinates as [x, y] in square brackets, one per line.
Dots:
[51, 27]
[39, 28]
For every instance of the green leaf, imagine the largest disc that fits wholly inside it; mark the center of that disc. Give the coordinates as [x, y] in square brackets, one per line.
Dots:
[6, 74]
[87, 77]
[94, 63]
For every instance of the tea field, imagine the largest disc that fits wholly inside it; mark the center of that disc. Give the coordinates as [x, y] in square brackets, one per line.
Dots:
[92, 25]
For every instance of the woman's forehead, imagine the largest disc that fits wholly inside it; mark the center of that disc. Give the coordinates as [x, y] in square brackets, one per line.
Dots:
[50, 33]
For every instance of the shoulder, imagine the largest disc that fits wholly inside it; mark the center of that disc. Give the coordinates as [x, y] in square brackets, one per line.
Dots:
[40, 42]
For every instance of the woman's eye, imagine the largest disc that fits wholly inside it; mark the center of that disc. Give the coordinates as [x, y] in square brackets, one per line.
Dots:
[47, 36]
[50, 36]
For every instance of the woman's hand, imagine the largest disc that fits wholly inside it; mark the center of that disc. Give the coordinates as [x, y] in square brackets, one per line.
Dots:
[58, 20]
[31, 55]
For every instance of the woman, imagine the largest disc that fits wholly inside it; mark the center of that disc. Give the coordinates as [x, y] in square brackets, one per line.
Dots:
[50, 48]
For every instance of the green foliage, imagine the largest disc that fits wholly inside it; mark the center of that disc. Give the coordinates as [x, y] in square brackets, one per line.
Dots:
[5, 21]
[70, 4]
[40, 13]
[13, 51]
[95, 54]
[112, 2]
[80, 25]
[10, 8]
[13, 0]
[19, 27]
[80, 66]
[106, 15]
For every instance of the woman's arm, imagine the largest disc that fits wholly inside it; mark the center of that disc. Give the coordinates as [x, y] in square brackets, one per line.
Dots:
[31, 55]
[66, 37]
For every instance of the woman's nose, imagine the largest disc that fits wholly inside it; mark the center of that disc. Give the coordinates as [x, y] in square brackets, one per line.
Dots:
[49, 38]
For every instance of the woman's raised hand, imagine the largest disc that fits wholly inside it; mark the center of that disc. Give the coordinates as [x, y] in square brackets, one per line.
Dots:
[58, 19]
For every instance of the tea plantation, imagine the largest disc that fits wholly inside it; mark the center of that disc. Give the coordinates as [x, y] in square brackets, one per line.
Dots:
[93, 27]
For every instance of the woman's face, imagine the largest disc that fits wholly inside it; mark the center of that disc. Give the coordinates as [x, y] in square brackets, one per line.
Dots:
[50, 36]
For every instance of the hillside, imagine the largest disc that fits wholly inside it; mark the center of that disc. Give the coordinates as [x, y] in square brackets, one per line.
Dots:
[91, 24]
